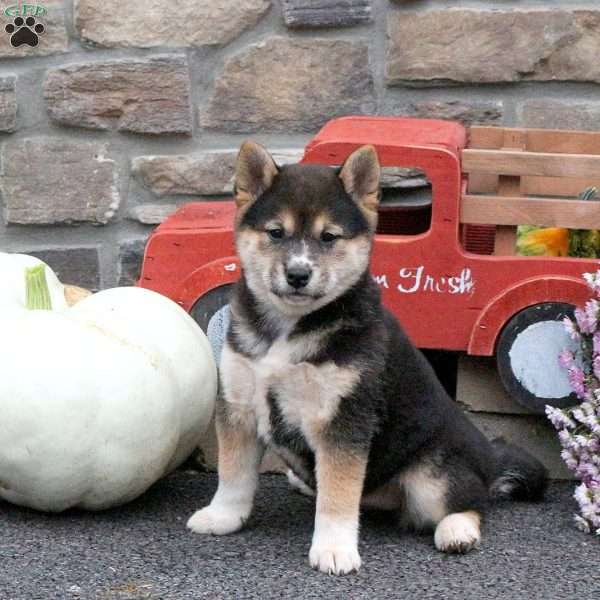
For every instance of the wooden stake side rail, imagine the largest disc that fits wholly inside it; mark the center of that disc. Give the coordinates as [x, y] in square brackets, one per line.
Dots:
[547, 212]
[538, 140]
[544, 167]
[545, 141]
[542, 164]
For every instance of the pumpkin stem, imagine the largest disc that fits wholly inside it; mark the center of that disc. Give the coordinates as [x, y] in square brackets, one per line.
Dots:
[36, 289]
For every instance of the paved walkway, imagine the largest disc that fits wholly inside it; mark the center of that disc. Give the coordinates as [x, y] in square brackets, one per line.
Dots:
[143, 551]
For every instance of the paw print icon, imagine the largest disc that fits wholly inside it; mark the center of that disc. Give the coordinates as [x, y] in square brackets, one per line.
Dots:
[24, 31]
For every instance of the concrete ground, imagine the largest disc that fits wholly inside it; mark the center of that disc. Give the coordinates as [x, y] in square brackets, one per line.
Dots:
[143, 551]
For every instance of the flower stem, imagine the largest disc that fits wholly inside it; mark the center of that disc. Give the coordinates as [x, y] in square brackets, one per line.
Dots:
[36, 289]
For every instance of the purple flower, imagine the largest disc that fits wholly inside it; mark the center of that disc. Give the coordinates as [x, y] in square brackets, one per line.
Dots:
[577, 381]
[559, 418]
[566, 358]
[580, 415]
[579, 427]
[565, 438]
[571, 329]
[587, 472]
[582, 495]
[589, 509]
[596, 340]
[587, 408]
[592, 310]
[582, 524]
[570, 459]
[584, 322]
[596, 366]
[582, 440]
[586, 415]
[593, 281]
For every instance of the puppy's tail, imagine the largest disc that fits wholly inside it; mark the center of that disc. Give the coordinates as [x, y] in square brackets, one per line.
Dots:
[519, 476]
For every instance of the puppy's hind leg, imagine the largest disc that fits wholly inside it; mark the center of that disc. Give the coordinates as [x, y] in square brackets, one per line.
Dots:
[445, 501]
[458, 532]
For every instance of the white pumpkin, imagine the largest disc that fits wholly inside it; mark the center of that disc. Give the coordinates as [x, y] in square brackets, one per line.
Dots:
[12, 286]
[100, 400]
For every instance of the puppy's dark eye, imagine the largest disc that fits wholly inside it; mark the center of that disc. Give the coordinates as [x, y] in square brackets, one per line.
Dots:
[275, 233]
[328, 237]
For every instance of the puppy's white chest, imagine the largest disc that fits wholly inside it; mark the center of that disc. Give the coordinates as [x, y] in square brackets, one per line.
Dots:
[307, 395]
[281, 377]
[277, 361]
[247, 382]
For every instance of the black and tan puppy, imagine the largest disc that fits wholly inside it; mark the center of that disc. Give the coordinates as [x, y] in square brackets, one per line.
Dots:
[315, 368]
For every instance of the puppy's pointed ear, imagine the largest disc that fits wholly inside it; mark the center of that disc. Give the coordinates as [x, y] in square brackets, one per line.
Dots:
[255, 170]
[360, 176]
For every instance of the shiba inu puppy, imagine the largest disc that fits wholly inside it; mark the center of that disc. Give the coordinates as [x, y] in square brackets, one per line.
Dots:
[317, 369]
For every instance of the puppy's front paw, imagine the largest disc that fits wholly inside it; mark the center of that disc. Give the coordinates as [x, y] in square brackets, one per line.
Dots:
[334, 560]
[458, 533]
[216, 520]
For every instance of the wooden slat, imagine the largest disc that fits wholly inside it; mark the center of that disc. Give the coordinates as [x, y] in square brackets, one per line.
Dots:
[482, 183]
[538, 140]
[486, 137]
[563, 142]
[507, 162]
[505, 242]
[547, 212]
[515, 138]
[568, 187]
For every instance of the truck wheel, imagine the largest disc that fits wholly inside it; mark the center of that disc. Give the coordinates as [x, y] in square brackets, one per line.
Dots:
[527, 357]
[211, 312]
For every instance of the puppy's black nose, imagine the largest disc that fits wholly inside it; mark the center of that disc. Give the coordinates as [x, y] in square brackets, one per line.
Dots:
[298, 276]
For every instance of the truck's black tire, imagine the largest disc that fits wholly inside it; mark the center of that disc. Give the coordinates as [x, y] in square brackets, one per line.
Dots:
[209, 304]
[527, 357]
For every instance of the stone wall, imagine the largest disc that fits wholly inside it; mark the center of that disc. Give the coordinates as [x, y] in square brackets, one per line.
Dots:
[122, 112]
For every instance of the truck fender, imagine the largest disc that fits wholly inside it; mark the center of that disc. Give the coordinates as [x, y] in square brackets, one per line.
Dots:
[205, 278]
[503, 307]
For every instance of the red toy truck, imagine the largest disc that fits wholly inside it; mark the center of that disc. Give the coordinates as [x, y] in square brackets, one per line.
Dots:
[446, 266]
